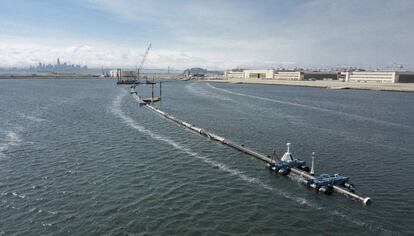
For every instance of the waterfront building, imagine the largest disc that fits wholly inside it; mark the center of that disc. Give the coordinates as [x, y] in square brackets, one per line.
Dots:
[114, 73]
[406, 77]
[378, 76]
[249, 74]
[371, 76]
[321, 75]
[263, 74]
[350, 76]
[234, 74]
[289, 75]
[259, 74]
[124, 73]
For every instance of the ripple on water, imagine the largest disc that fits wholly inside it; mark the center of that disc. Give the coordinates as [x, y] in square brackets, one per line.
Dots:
[129, 172]
[11, 139]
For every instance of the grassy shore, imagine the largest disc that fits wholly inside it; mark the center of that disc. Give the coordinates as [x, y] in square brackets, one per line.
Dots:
[329, 84]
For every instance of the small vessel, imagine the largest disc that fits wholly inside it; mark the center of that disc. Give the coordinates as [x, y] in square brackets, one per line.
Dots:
[325, 182]
[128, 81]
[287, 162]
[152, 99]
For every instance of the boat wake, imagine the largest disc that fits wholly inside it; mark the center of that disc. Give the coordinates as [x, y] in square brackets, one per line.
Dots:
[342, 114]
[197, 90]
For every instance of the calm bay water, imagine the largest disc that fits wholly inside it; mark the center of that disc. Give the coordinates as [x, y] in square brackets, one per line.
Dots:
[80, 157]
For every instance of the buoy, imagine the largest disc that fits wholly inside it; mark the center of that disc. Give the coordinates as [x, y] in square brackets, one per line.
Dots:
[367, 201]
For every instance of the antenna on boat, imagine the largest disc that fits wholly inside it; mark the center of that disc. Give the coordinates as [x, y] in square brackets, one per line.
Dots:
[312, 172]
[274, 156]
[152, 93]
[287, 156]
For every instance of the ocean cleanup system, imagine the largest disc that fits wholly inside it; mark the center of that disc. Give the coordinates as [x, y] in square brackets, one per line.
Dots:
[287, 165]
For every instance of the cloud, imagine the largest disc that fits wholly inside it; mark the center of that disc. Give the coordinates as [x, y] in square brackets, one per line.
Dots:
[26, 54]
[225, 34]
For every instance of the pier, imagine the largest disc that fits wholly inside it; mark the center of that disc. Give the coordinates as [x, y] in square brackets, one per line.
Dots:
[304, 175]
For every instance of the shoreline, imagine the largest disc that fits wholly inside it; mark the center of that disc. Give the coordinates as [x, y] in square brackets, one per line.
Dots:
[398, 87]
[79, 76]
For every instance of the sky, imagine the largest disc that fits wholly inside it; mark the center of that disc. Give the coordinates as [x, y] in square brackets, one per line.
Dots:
[216, 34]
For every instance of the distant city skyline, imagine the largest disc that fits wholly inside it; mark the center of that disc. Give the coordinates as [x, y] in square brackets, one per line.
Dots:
[213, 35]
[58, 67]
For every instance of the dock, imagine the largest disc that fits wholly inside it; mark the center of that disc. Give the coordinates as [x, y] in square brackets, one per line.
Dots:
[128, 82]
[152, 99]
[249, 151]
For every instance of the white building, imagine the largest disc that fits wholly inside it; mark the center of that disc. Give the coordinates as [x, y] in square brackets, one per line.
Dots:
[371, 76]
[234, 74]
[289, 75]
[124, 73]
[259, 74]
[114, 73]
[263, 74]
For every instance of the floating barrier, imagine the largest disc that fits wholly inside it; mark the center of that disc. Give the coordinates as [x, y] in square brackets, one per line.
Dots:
[303, 174]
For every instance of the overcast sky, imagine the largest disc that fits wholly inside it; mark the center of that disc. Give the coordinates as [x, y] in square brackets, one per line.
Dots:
[213, 34]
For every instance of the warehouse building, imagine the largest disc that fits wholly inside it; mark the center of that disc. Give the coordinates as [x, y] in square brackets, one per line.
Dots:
[263, 74]
[371, 76]
[378, 76]
[350, 76]
[289, 75]
[234, 74]
[405, 77]
[321, 75]
[259, 74]
[123, 73]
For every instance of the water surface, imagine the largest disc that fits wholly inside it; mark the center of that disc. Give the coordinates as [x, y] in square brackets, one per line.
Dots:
[81, 157]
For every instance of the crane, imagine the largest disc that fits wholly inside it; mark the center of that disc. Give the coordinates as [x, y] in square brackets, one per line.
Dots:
[143, 61]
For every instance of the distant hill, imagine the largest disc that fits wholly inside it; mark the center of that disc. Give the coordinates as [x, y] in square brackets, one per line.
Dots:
[196, 71]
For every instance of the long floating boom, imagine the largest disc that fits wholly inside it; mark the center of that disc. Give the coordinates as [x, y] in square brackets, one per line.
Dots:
[303, 174]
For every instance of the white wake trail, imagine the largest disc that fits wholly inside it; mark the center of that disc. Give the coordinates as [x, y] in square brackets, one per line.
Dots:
[357, 117]
[200, 91]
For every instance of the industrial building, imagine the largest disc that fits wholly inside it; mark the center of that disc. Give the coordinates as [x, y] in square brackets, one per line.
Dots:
[289, 75]
[321, 75]
[405, 77]
[259, 74]
[234, 74]
[351, 76]
[263, 74]
[370, 76]
[379, 76]
[123, 73]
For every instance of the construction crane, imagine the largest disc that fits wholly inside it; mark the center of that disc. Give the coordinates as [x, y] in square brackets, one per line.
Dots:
[143, 61]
